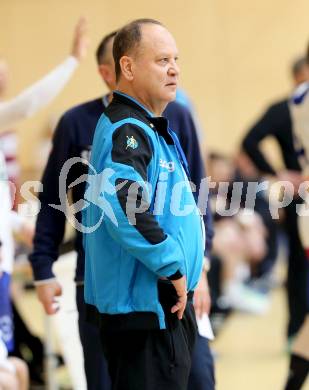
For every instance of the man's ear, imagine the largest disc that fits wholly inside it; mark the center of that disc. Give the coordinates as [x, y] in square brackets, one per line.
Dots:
[126, 67]
[104, 71]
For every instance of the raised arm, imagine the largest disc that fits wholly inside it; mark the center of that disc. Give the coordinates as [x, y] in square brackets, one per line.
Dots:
[41, 93]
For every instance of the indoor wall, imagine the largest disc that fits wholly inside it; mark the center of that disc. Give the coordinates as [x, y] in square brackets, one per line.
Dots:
[234, 55]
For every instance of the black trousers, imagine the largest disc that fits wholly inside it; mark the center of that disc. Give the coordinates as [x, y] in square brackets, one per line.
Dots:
[97, 376]
[202, 376]
[152, 359]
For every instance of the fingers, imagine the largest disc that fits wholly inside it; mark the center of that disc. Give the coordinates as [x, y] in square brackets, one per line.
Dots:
[47, 295]
[81, 41]
[50, 306]
[81, 27]
[81, 24]
[180, 306]
[198, 303]
[58, 291]
[202, 303]
[180, 286]
[207, 304]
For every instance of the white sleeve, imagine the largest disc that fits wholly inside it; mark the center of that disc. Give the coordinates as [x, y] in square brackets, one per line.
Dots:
[17, 221]
[7, 248]
[3, 350]
[37, 95]
[5, 363]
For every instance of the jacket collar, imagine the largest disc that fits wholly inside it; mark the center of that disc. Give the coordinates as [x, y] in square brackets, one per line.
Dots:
[129, 100]
[158, 124]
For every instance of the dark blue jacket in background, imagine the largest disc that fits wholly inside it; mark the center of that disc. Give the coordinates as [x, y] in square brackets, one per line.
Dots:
[73, 138]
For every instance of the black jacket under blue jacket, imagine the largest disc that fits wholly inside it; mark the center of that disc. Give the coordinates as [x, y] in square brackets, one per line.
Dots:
[73, 138]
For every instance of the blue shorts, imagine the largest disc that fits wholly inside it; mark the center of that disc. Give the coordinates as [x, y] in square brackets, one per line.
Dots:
[6, 316]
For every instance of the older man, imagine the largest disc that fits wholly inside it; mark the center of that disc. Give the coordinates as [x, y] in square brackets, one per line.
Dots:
[141, 269]
[73, 138]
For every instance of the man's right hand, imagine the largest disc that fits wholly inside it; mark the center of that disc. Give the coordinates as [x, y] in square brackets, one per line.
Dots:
[181, 289]
[47, 294]
[80, 41]
[293, 177]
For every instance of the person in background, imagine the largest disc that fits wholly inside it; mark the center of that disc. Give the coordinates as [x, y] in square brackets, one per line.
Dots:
[240, 241]
[299, 105]
[24, 105]
[13, 371]
[276, 123]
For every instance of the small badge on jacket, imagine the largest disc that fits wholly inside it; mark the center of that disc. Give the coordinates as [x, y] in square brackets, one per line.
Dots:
[131, 142]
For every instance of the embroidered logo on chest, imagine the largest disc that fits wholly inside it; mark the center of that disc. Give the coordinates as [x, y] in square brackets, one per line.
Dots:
[131, 143]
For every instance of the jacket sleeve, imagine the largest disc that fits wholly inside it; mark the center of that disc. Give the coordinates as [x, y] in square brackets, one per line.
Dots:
[266, 126]
[189, 141]
[139, 233]
[50, 225]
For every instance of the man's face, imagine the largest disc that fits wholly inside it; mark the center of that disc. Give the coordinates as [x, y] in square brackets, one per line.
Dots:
[4, 76]
[154, 67]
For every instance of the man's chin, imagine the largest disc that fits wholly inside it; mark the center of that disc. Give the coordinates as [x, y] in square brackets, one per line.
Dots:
[171, 95]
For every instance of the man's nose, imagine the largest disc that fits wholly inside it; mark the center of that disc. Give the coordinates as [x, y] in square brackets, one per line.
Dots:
[174, 69]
